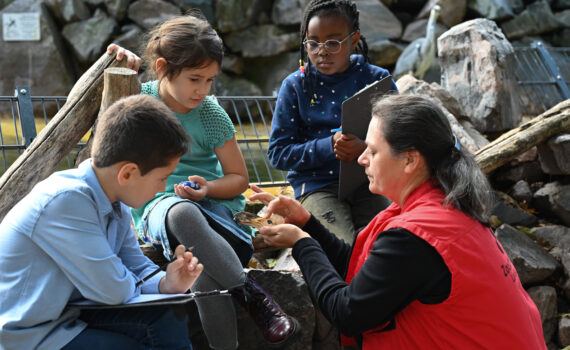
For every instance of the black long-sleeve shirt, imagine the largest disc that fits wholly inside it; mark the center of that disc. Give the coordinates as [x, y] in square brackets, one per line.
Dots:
[401, 268]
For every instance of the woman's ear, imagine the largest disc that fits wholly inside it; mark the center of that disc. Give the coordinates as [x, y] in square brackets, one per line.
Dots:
[355, 39]
[414, 161]
[126, 172]
[160, 66]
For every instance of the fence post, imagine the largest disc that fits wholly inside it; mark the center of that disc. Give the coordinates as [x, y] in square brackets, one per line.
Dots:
[551, 66]
[26, 113]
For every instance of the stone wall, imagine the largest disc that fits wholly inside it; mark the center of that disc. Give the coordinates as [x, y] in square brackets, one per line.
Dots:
[261, 36]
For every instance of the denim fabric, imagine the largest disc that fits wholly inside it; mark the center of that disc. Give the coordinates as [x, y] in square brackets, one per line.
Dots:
[219, 217]
[155, 327]
[344, 218]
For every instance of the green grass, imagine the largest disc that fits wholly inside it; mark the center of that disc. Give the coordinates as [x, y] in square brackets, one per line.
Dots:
[12, 135]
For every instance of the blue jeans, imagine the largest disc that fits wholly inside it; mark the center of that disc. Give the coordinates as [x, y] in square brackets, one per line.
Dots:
[154, 327]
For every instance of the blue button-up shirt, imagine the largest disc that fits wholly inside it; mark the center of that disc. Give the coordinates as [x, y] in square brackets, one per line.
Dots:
[65, 240]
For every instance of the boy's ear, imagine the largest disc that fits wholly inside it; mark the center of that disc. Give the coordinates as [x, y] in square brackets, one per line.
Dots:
[126, 172]
[160, 66]
[355, 39]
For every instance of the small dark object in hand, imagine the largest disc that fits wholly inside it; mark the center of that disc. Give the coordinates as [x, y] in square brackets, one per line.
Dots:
[190, 184]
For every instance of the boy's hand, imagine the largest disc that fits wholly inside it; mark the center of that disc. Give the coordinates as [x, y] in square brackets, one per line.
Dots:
[190, 193]
[348, 147]
[133, 61]
[180, 273]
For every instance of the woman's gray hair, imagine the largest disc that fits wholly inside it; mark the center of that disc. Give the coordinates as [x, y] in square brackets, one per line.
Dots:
[411, 122]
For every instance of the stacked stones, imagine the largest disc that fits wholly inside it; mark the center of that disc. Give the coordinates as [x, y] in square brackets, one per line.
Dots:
[532, 213]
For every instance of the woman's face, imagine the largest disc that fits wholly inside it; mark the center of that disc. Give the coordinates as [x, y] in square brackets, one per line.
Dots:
[384, 170]
[321, 29]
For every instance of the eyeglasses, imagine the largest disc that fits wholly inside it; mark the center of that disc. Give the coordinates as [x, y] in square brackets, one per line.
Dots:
[331, 46]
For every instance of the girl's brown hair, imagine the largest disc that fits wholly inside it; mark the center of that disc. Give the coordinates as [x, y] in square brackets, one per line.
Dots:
[184, 42]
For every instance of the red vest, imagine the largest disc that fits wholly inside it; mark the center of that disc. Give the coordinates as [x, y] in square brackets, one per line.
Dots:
[487, 307]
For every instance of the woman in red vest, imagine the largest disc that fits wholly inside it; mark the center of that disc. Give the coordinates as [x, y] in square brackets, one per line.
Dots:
[427, 272]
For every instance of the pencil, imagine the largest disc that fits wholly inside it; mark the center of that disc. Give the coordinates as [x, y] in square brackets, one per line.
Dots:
[163, 267]
[336, 129]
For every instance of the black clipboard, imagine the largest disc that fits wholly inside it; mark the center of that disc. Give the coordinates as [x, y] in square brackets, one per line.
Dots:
[356, 115]
[148, 300]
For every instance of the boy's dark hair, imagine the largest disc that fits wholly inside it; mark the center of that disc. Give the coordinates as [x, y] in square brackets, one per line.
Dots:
[324, 8]
[184, 42]
[138, 129]
[412, 122]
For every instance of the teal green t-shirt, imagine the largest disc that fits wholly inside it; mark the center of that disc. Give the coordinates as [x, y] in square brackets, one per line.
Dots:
[209, 126]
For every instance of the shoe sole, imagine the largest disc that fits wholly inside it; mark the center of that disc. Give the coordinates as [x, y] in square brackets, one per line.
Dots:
[284, 342]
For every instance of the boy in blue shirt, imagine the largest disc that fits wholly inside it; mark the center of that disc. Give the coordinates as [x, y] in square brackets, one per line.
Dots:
[71, 238]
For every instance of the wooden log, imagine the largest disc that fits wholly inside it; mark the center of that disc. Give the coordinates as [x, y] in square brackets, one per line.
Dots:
[516, 141]
[118, 82]
[58, 138]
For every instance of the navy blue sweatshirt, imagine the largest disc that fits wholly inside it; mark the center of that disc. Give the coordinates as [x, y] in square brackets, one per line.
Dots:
[301, 138]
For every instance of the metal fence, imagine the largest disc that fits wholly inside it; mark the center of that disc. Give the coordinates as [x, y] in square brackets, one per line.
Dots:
[251, 116]
[543, 74]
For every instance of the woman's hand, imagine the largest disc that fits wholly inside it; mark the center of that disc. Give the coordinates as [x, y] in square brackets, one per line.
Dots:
[282, 236]
[180, 273]
[133, 61]
[189, 193]
[288, 208]
[348, 147]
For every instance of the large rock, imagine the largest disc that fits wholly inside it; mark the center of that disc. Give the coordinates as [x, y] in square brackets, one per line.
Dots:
[262, 41]
[536, 19]
[470, 138]
[89, 38]
[384, 52]
[42, 65]
[69, 10]
[288, 12]
[234, 15]
[554, 199]
[269, 72]
[477, 67]
[532, 262]
[117, 8]
[148, 13]
[377, 22]
[554, 155]
[206, 7]
[545, 299]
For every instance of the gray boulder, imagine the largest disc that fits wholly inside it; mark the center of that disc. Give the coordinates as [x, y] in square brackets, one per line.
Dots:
[377, 22]
[545, 299]
[69, 10]
[477, 67]
[117, 8]
[262, 41]
[384, 52]
[89, 38]
[554, 155]
[288, 12]
[41, 65]
[554, 199]
[532, 262]
[536, 19]
[235, 15]
[206, 7]
[148, 13]
[564, 331]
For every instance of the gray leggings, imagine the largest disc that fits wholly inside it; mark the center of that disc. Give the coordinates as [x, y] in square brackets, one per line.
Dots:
[186, 225]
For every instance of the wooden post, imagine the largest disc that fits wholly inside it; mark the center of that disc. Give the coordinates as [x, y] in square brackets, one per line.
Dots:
[516, 141]
[118, 83]
[58, 138]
